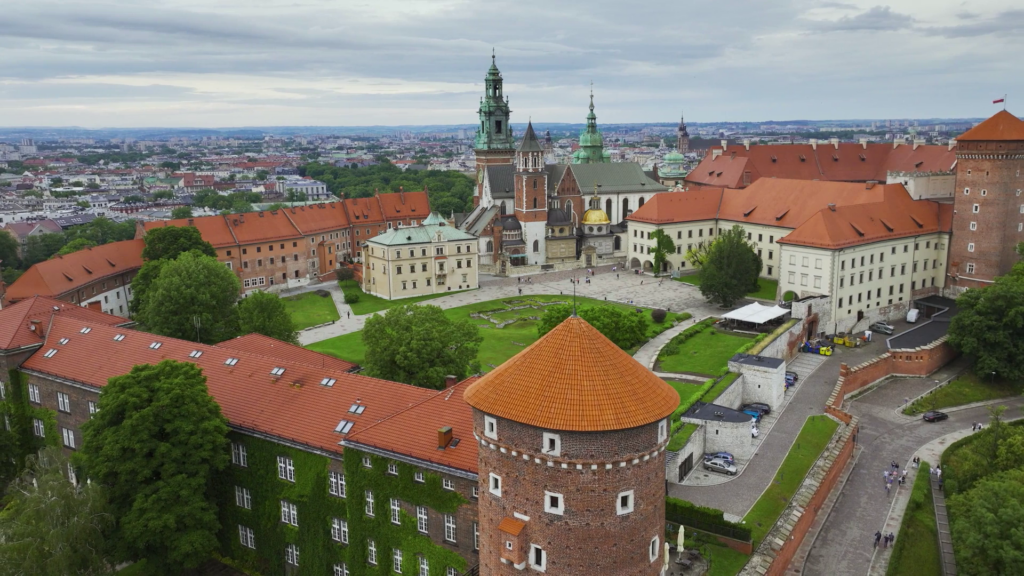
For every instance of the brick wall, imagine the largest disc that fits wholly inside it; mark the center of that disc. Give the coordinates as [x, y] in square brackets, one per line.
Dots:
[916, 362]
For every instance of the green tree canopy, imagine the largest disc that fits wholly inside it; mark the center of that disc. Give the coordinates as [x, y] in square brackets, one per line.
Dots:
[420, 345]
[155, 445]
[731, 268]
[264, 313]
[989, 327]
[449, 191]
[141, 284]
[52, 527]
[986, 525]
[133, 199]
[623, 327]
[181, 212]
[9, 249]
[697, 255]
[295, 196]
[663, 246]
[41, 246]
[76, 245]
[192, 299]
[163, 195]
[168, 242]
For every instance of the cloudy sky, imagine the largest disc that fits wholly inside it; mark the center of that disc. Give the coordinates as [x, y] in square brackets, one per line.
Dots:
[218, 63]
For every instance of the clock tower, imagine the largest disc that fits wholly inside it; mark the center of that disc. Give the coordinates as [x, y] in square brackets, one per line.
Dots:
[494, 143]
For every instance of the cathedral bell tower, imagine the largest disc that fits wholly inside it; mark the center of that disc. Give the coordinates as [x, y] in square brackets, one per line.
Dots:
[531, 179]
[494, 143]
[682, 137]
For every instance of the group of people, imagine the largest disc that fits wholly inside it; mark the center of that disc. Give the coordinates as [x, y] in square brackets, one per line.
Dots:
[886, 539]
[975, 426]
[894, 474]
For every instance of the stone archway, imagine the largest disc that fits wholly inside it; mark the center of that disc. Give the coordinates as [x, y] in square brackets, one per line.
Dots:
[634, 263]
[648, 266]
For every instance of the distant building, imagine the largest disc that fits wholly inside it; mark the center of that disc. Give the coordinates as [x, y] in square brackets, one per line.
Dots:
[430, 258]
[682, 137]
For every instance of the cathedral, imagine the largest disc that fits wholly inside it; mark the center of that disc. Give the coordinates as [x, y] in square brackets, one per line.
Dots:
[529, 212]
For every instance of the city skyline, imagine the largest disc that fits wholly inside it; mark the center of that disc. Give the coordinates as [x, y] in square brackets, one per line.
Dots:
[120, 64]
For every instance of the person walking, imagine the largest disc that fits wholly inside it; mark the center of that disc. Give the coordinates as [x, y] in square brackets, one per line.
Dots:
[892, 538]
[348, 315]
[520, 291]
[878, 538]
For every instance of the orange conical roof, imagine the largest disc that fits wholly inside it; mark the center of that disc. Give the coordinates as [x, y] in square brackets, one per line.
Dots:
[574, 379]
[1001, 126]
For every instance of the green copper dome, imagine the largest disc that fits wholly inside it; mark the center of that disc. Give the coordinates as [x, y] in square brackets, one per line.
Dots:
[673, 158]
[591, 141]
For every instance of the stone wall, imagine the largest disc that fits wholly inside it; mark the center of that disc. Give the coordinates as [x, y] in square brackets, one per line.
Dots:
[732, 397]
[914, 362]
[731, 437]
[694, 448]
[765, 383]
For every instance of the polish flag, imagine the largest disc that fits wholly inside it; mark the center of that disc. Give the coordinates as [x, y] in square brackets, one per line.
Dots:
[998, 101]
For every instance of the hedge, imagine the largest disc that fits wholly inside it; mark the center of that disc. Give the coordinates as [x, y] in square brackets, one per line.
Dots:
[702, 518]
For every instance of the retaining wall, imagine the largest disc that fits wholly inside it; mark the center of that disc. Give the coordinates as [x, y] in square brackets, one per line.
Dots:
[914, 362]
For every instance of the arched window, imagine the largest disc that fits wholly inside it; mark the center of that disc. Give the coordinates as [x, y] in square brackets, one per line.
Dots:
[641, 202]
[625, 208]
[502, 208]
[536, 246]
[554, 204]
[490, 245]
[608, 207]
[618, 243]
[534, 183]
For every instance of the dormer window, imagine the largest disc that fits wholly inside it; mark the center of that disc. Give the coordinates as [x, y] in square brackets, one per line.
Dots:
[277, 371]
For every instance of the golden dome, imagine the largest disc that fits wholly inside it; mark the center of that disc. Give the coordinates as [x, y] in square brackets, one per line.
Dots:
[595, 216]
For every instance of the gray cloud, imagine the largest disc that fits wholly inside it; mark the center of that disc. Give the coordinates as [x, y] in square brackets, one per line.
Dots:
[1010, 22]
[878, 18]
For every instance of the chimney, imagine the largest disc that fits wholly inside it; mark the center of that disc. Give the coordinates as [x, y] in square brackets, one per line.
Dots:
[814, 143]
[450, 381]
[832, 207]
[952, 143]
[191, 222]
[918, 143]
[834, 141]
[864, 143]
[746, 143]
[715, 153]
[895, 143]
[725, 144]
[444, 437]
[870, 184]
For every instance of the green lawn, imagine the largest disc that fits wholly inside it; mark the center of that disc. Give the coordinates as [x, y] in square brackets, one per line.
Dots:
[916, 551]
[720, 387]
[679, 439]
[725, 561]
[705, 353]
[964, 390]
[813, 438]
[309, 309]
[368, 303]
[499, 344]
[766, 289]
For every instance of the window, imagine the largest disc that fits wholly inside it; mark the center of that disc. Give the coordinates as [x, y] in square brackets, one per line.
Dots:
[242, 498]
[495, 485]
[552, 444]
[396, 560]
[118, 337]
[448, 484]
[418, 477]
[970, 268]
[451, 572]
[285, 469]
[63, 402]
[449, 527]
[50, 353]
[655, 545]
[475, 492]
[976, 208]
[490, 427]
[38, 428]
[231, 361]
[367, 463]
[339, 530]
[421, 519]
[624, 502]
[371, 550]
[396, 511]
[289, 513]
[476, 536]
[424, 566]
[554, 503]
[341, 569]
[970, 247]
[246, 537]
[538, 557]
[337, 484]
[276, 371]
[984, 192]
[69, 437]
[369, 503]
[195, 354]
[238, 455]
[967, 191]
[291, 555]
[393, 468]
[662, 430]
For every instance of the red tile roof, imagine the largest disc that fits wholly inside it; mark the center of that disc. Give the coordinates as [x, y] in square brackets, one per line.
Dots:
[364, 211]
[256, 227]
[214, 229]
[413, 432]
[316, 218]
[789, 203]
[402, 205]
[511, 526]
[64, 274]
[294, 407]
[690, 206]
[25, 323]
[1001, 126]
[574, 379]
[273, 348]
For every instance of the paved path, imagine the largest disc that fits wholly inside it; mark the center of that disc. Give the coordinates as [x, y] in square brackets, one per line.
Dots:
[844, 547]
[644, 291]
[648, 353]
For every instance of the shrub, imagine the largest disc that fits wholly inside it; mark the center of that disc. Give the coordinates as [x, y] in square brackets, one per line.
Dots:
[351, 297]
[703, 518]
[345, 274]
[658, 315]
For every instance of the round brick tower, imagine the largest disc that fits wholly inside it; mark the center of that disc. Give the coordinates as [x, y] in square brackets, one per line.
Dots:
[572, 436]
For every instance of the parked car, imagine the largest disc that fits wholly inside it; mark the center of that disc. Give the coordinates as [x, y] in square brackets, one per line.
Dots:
[934, 416]
[759, 407]
[719, 465]
[913, 314]
[882, 327]
[720, 456]
[755, 414]
[792, 377]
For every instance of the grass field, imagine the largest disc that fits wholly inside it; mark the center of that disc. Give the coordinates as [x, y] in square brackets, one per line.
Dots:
[916, 550]
[813, 438]
[679, 439]
[368, 303]
[766, 289]
[499, 344]
[309, 309]
[705, 353]
[964, 390]
[720, 387]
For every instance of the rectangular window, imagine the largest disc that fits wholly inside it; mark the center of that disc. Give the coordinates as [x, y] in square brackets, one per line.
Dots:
[38, 428]
[369, 503]
[63, 402]
[242, 498]
[289, 513]
[238, 455]
[449, 527]
[495, 484]
[421, 519]
[69, 438]
[448, 484]
[476, 536]
[341, 569]
[371, 551]
[970, 268]
[538, 558]
[339, 530]
[33, 394]
[291, 555]
[337, 484]
[424, 566]
[246, 537]
[285, 469]
[396, 511]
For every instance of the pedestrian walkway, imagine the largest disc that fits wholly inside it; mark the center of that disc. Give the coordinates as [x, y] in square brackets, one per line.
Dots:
[647, 355]
[942, 523]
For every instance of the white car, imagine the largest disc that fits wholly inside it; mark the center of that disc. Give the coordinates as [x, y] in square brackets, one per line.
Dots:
[719, 465]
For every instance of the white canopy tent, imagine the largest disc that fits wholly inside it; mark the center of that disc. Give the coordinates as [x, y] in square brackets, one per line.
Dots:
[756, 313]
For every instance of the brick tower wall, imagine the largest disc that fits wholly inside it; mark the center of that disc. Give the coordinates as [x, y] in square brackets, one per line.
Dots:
[526, 193]
[590, 537]
[488, 158]
[997, 170]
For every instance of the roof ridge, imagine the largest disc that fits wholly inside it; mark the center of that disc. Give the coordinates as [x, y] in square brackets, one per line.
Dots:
[407, 408]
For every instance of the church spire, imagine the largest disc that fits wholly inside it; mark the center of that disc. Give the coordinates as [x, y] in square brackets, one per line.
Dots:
[591, 142]
[494, 131]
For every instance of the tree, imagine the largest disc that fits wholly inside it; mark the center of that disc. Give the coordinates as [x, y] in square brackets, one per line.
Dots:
[52, 527]
[76, 245]
[168, 242]
[192, 299]
[240, 207]
[141, 284]
[420, 345]
[344, 274]
[731, 268]
[985, 522]
[264, 313]
[93, 186]
[294, 196]
[155, 445]
[623, 327]
[40, 247]
[133, 199]
[83, 204]
[663, 245]
[698, 254]
[9, 249]
[181, 212]
[989, 327]
[163, 195]
[261, 175]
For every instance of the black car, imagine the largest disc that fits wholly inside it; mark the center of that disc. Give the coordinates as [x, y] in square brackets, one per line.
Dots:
[759, 407]
[934, 416]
